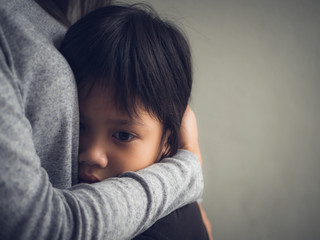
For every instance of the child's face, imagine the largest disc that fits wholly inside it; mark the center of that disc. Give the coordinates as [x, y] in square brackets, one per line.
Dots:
[110, 141]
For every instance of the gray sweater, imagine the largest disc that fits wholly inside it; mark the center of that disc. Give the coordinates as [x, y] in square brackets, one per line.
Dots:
[39, 195]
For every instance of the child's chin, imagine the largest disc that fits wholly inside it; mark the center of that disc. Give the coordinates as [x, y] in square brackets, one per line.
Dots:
[86, 181]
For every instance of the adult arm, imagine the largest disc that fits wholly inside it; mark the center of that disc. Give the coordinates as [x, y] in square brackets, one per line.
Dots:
[30, 208]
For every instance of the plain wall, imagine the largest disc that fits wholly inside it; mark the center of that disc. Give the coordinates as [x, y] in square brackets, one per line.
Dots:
[257, 99]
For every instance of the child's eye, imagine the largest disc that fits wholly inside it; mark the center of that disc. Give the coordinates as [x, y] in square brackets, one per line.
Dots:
[123, 136]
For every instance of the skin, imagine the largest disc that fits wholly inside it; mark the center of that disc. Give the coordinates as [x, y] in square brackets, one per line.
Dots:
[189, 133]
[189, 141]
[112, 142]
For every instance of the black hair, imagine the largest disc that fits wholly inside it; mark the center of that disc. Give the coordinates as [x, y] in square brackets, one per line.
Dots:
[68, 11]
[131, 50]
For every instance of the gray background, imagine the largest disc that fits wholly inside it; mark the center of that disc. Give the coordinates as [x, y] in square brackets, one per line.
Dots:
[256, 97]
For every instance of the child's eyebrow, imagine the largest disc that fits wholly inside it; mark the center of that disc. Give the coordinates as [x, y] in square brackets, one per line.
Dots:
[117, 121]
[124, 122]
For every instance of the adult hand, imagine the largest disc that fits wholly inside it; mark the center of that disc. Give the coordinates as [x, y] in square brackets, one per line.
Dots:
[189, 133]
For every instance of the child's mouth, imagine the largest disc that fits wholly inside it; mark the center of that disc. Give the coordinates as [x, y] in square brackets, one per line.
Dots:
[84, 178]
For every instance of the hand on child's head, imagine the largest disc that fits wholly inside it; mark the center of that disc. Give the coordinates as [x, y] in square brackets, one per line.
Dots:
[188, 139]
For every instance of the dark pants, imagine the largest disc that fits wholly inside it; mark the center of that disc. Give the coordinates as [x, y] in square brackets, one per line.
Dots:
[184, 223]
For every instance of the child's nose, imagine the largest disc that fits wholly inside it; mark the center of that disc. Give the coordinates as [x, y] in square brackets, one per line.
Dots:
[95, 156]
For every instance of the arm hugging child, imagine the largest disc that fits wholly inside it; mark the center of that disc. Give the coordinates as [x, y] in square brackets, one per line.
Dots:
[134, 77]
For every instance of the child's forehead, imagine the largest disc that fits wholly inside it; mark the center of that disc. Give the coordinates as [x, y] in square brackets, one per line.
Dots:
[104, 96]
[95, 91]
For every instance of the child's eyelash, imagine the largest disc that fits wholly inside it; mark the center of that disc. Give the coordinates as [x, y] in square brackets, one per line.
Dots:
[124, 136]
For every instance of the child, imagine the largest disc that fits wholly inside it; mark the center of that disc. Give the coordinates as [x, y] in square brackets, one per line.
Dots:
[134, 78]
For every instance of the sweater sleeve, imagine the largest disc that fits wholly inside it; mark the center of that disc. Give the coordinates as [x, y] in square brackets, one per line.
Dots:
[117, 208]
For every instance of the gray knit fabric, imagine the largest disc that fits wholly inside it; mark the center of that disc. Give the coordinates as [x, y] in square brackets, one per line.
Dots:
[38, 148]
